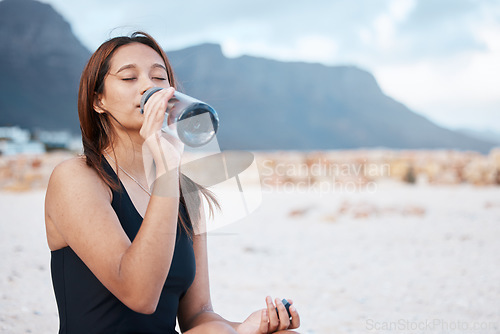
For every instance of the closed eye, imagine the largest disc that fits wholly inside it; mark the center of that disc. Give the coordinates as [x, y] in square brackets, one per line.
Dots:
[159, 78]
[128, 79]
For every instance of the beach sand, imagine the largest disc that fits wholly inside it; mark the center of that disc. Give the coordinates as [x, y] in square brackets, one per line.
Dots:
[418, 258]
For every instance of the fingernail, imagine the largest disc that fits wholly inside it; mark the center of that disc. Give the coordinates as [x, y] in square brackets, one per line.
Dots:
[292, 309]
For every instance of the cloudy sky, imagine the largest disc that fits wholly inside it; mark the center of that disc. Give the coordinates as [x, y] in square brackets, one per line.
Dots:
[439, 57]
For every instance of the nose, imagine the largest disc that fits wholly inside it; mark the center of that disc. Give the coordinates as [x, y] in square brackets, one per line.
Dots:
[146, 83]
[145, 88]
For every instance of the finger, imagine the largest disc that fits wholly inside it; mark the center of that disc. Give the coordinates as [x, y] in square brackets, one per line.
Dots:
[283, 314]
[264, 322]
[154, 110]
[157, 109]
[273, 317]
[157, 103]
[152, 103]
[163, 94]
[295, 317]
[150, 124]
[160, 104]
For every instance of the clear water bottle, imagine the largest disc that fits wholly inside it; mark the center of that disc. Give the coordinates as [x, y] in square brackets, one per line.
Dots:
[196, 122]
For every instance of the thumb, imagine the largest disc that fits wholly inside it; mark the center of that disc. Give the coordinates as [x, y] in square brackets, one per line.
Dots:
[264, 322]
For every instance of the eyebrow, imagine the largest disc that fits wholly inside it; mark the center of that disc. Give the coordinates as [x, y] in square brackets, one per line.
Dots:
[128, 66]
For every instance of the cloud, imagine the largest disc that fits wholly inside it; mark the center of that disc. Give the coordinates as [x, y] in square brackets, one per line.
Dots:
[313, 48]
[385, 25]
[455, 84]
[458, 91]
[439, 57]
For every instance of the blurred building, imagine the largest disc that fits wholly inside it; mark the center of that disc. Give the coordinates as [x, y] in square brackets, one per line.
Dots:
[63, 139]
[14, 140]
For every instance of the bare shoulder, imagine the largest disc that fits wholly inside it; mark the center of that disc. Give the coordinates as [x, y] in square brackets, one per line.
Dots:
[72, 184]
[75, 164]
[75, 175]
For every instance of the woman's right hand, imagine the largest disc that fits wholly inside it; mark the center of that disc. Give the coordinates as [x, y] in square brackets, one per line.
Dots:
[163, 148]
[154, 112]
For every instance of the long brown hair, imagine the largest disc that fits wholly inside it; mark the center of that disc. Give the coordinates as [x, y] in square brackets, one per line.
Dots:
[97, 130]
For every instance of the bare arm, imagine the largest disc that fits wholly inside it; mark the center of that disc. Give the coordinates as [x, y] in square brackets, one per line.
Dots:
[195, 307]
[80, 209]
[196, 311]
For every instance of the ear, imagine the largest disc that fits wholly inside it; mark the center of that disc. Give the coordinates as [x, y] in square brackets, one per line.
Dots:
[98, 104]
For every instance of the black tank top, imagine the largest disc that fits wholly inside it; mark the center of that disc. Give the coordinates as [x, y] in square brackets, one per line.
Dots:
[86, 306]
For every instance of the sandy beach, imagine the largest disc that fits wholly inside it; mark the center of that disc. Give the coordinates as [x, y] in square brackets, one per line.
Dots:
[398, 258]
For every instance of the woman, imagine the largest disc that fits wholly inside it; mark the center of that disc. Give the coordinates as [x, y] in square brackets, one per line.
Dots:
[125, 260]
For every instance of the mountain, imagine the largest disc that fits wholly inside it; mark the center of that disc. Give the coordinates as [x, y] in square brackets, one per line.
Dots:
[41, 62]
[486, 135]
[267, 104]
[263, 104]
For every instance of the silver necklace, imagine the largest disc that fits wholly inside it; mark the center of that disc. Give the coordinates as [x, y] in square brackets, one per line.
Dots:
[123, 170]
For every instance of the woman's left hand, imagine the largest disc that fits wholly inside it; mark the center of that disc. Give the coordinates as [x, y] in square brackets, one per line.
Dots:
[268, 320]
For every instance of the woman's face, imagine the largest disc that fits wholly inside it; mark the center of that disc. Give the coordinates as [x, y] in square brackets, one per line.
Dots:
[134, 68]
